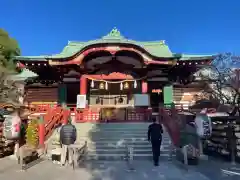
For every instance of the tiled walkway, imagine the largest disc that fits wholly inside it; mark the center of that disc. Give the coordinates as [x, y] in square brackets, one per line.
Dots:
[116, 171]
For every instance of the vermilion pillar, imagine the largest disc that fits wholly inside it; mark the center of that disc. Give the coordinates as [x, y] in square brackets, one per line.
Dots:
[41, 132]
[83, 85]
[144, 87]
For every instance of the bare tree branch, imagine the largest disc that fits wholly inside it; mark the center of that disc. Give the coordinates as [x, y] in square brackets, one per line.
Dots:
[224, 79]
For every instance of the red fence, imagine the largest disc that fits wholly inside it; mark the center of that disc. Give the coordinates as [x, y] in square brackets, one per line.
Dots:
[126, 115]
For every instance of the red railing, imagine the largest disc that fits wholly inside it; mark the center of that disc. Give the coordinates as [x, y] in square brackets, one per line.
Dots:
[95, 115]
[53, 117]
[170, 120]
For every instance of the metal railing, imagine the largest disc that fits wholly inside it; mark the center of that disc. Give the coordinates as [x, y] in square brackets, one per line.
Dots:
[129, 157]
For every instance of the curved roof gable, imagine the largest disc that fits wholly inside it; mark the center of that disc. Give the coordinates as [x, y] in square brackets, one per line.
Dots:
[154, 48]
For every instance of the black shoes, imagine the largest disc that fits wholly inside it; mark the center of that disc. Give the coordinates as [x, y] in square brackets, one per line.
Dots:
[156, 164]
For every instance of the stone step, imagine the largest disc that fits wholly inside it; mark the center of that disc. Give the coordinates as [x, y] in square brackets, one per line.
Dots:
[113, 146]
[117, 132]
[121, 124]
[113, 127]
[122, 143]
[111, 157]
[130, 133]
[115, 138]
[110, 130]
[123, 151]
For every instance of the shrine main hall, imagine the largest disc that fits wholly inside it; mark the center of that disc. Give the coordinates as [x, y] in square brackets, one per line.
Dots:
[114, 74]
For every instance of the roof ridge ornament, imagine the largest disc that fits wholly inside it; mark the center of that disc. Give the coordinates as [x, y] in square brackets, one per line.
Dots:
[114, 34]
[162, 42]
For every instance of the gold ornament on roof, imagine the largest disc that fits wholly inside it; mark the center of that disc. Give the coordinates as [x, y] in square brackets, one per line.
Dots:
[115, 32]
[162, 42]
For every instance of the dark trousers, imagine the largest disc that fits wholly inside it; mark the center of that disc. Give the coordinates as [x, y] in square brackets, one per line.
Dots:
[156, 145]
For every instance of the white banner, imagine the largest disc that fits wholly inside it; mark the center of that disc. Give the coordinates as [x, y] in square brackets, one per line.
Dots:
[81, 101]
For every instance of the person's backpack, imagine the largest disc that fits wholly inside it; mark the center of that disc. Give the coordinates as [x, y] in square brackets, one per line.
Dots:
[68, 134]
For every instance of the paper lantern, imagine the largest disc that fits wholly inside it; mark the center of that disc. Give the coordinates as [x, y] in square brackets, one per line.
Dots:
[106, 86]
[121, 86]
[135, 84]
[144, 87]
[101, 86]
[126, 85]
[92, 84]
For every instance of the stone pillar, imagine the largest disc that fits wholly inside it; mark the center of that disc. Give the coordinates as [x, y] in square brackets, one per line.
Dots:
[144, 87]
[83, 85]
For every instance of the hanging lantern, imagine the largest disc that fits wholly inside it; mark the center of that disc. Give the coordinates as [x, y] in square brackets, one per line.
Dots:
[126, 85]
[121, 86]
[135, 84]
[106, 86]
[101, 86]
[92, 84]
[144, 87]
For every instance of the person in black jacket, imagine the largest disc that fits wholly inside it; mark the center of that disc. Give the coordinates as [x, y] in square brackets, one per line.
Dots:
[68, 136]
[155, 131]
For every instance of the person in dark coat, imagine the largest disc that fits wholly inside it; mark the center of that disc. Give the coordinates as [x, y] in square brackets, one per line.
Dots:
[68, 136]
[155, 131]
[231, 139]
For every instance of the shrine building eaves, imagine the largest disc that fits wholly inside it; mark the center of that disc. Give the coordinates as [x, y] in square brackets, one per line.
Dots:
[156, 49]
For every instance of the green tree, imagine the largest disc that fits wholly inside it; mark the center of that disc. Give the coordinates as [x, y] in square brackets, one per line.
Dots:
[8, 50]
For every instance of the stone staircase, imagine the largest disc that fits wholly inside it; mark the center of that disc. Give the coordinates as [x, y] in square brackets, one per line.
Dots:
[109, 141]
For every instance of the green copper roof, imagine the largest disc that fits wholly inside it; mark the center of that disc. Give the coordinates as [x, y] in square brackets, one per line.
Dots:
[155, 48]
[24, 75]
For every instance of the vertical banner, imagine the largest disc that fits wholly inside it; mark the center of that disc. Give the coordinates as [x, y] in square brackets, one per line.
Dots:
[168, 95]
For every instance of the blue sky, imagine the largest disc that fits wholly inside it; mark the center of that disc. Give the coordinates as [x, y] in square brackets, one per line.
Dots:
[188, 26]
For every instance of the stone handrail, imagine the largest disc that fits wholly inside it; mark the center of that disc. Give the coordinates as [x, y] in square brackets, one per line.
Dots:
[79, 153]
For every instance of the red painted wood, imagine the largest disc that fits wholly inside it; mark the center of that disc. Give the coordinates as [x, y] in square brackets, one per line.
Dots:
[170, 121]
[41, 134]
[66, 114]
[83, 85]
[111, 76]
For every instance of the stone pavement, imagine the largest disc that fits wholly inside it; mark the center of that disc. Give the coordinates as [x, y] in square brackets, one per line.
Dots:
[114, 170]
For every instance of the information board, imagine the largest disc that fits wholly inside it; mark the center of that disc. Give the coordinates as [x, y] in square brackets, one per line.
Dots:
[141, 100]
